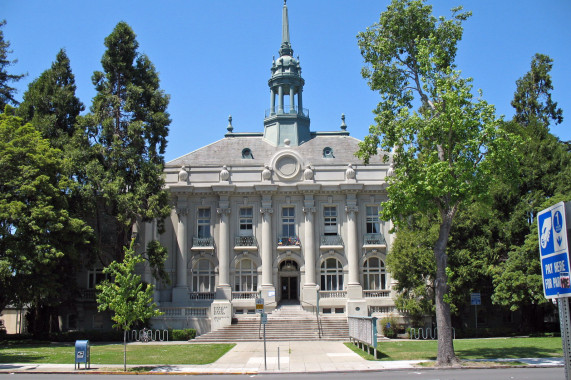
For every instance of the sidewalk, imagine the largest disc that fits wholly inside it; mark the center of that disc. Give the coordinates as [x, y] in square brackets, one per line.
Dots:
[248, 358]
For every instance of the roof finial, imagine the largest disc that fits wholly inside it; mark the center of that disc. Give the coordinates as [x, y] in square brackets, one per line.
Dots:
[230, 128]
[343, 125]
[286, 46]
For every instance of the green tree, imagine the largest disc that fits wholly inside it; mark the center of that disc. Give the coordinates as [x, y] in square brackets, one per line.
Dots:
[127, 130]
[51, 105]
[446, 150]
[126, 295]
[37, 233]
[545, 172]
[411, 264]
[6, 91]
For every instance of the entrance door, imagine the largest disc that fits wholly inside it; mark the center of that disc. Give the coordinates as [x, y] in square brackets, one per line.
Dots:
[289, 287]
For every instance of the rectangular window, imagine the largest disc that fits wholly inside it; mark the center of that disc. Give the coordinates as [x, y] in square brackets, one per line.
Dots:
[330, 220]
[288, 222]
[373, 225]
[246, 221]
[94, 277]
[203, 222]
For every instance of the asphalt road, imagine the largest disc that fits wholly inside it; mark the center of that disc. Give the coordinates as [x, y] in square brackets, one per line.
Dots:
[448, 374]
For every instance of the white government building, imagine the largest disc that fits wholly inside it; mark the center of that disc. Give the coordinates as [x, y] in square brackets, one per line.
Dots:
[286, 214]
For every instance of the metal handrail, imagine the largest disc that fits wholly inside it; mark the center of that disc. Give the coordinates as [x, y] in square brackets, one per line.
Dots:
[318, 320]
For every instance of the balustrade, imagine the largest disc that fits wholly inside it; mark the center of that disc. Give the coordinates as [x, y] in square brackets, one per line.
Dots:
[376, 293]
[331, 240]
[374, 239]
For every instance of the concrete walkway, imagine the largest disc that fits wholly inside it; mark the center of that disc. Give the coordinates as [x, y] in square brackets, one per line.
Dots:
[248, 358]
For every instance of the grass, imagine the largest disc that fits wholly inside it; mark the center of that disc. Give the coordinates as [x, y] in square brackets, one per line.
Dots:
[468, 349]
[34, 352]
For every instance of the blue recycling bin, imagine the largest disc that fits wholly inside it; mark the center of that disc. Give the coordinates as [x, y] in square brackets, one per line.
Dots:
[82, 354]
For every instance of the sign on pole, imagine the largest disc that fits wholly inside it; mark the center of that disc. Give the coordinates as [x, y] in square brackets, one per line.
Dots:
[475, 299]
[554, 251]
[259, 305]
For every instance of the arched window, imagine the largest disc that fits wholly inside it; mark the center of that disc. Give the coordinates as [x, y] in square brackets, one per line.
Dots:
[246, 276]
[203, 276]
[375, 276]
[331, 275]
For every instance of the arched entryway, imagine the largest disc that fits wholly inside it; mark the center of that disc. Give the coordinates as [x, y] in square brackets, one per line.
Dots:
[289, 281]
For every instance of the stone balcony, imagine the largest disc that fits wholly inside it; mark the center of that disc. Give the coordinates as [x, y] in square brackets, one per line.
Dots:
[202, 243]
[245, 243]
[329, 242]
[289, 243]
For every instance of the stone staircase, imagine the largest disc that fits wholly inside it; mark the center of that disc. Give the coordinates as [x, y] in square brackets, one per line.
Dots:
[286, 323]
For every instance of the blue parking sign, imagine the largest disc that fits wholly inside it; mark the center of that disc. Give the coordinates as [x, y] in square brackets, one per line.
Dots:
[554, 251]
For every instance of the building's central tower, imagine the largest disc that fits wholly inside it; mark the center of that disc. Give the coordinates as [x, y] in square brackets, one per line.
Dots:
[286, 120]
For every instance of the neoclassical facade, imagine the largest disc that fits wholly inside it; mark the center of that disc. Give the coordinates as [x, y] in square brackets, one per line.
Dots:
[287, 214]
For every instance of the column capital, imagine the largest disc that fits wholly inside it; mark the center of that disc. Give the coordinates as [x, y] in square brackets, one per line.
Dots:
[223, 211]
[309, 209]
[351, 209]
[266, 210]
[182, 211]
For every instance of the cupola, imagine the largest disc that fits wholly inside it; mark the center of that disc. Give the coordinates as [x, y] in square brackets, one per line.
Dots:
[286, 119]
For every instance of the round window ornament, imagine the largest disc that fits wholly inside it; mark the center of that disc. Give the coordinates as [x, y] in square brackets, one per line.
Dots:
[287, 166]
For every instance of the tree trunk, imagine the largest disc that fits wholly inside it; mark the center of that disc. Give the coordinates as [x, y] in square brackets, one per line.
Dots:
[446, 355]
[125, 350]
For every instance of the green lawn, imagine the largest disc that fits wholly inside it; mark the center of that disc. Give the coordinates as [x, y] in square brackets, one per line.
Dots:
[17, 352]
[468, 349]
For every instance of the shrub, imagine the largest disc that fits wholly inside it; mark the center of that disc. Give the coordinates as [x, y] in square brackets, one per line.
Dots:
[390, 327]
[185, 334]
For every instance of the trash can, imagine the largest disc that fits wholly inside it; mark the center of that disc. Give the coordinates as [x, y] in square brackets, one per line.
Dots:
[82, 354]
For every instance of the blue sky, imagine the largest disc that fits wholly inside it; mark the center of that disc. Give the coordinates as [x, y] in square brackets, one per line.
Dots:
[214, 56]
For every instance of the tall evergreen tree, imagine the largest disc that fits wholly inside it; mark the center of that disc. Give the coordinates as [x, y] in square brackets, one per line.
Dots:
[127, 126]
[51, 105]
[545, 171]
[6, 91]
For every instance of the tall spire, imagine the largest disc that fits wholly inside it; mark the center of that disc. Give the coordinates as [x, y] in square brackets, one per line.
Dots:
[286, 46]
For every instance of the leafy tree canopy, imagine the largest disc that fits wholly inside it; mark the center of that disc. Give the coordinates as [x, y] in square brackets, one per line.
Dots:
[126, 295]
[447, 144]
[36, 230]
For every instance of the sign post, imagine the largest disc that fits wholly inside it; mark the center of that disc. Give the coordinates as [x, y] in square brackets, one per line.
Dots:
[554, 256]
[476, 299]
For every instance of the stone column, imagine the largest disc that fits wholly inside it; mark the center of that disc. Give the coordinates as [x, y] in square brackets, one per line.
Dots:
[181, 234]
[267, 267]
[267, 287]
[309, 246]
[291, 99]
[272, 102]
[224, 289]
[356, 304]
[281, 99]
[310, 287]
[352, 248]
[180, 291]
[299, 100]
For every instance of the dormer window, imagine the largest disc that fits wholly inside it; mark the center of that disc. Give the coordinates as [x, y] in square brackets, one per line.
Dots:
[328, 152]
[247, 154]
